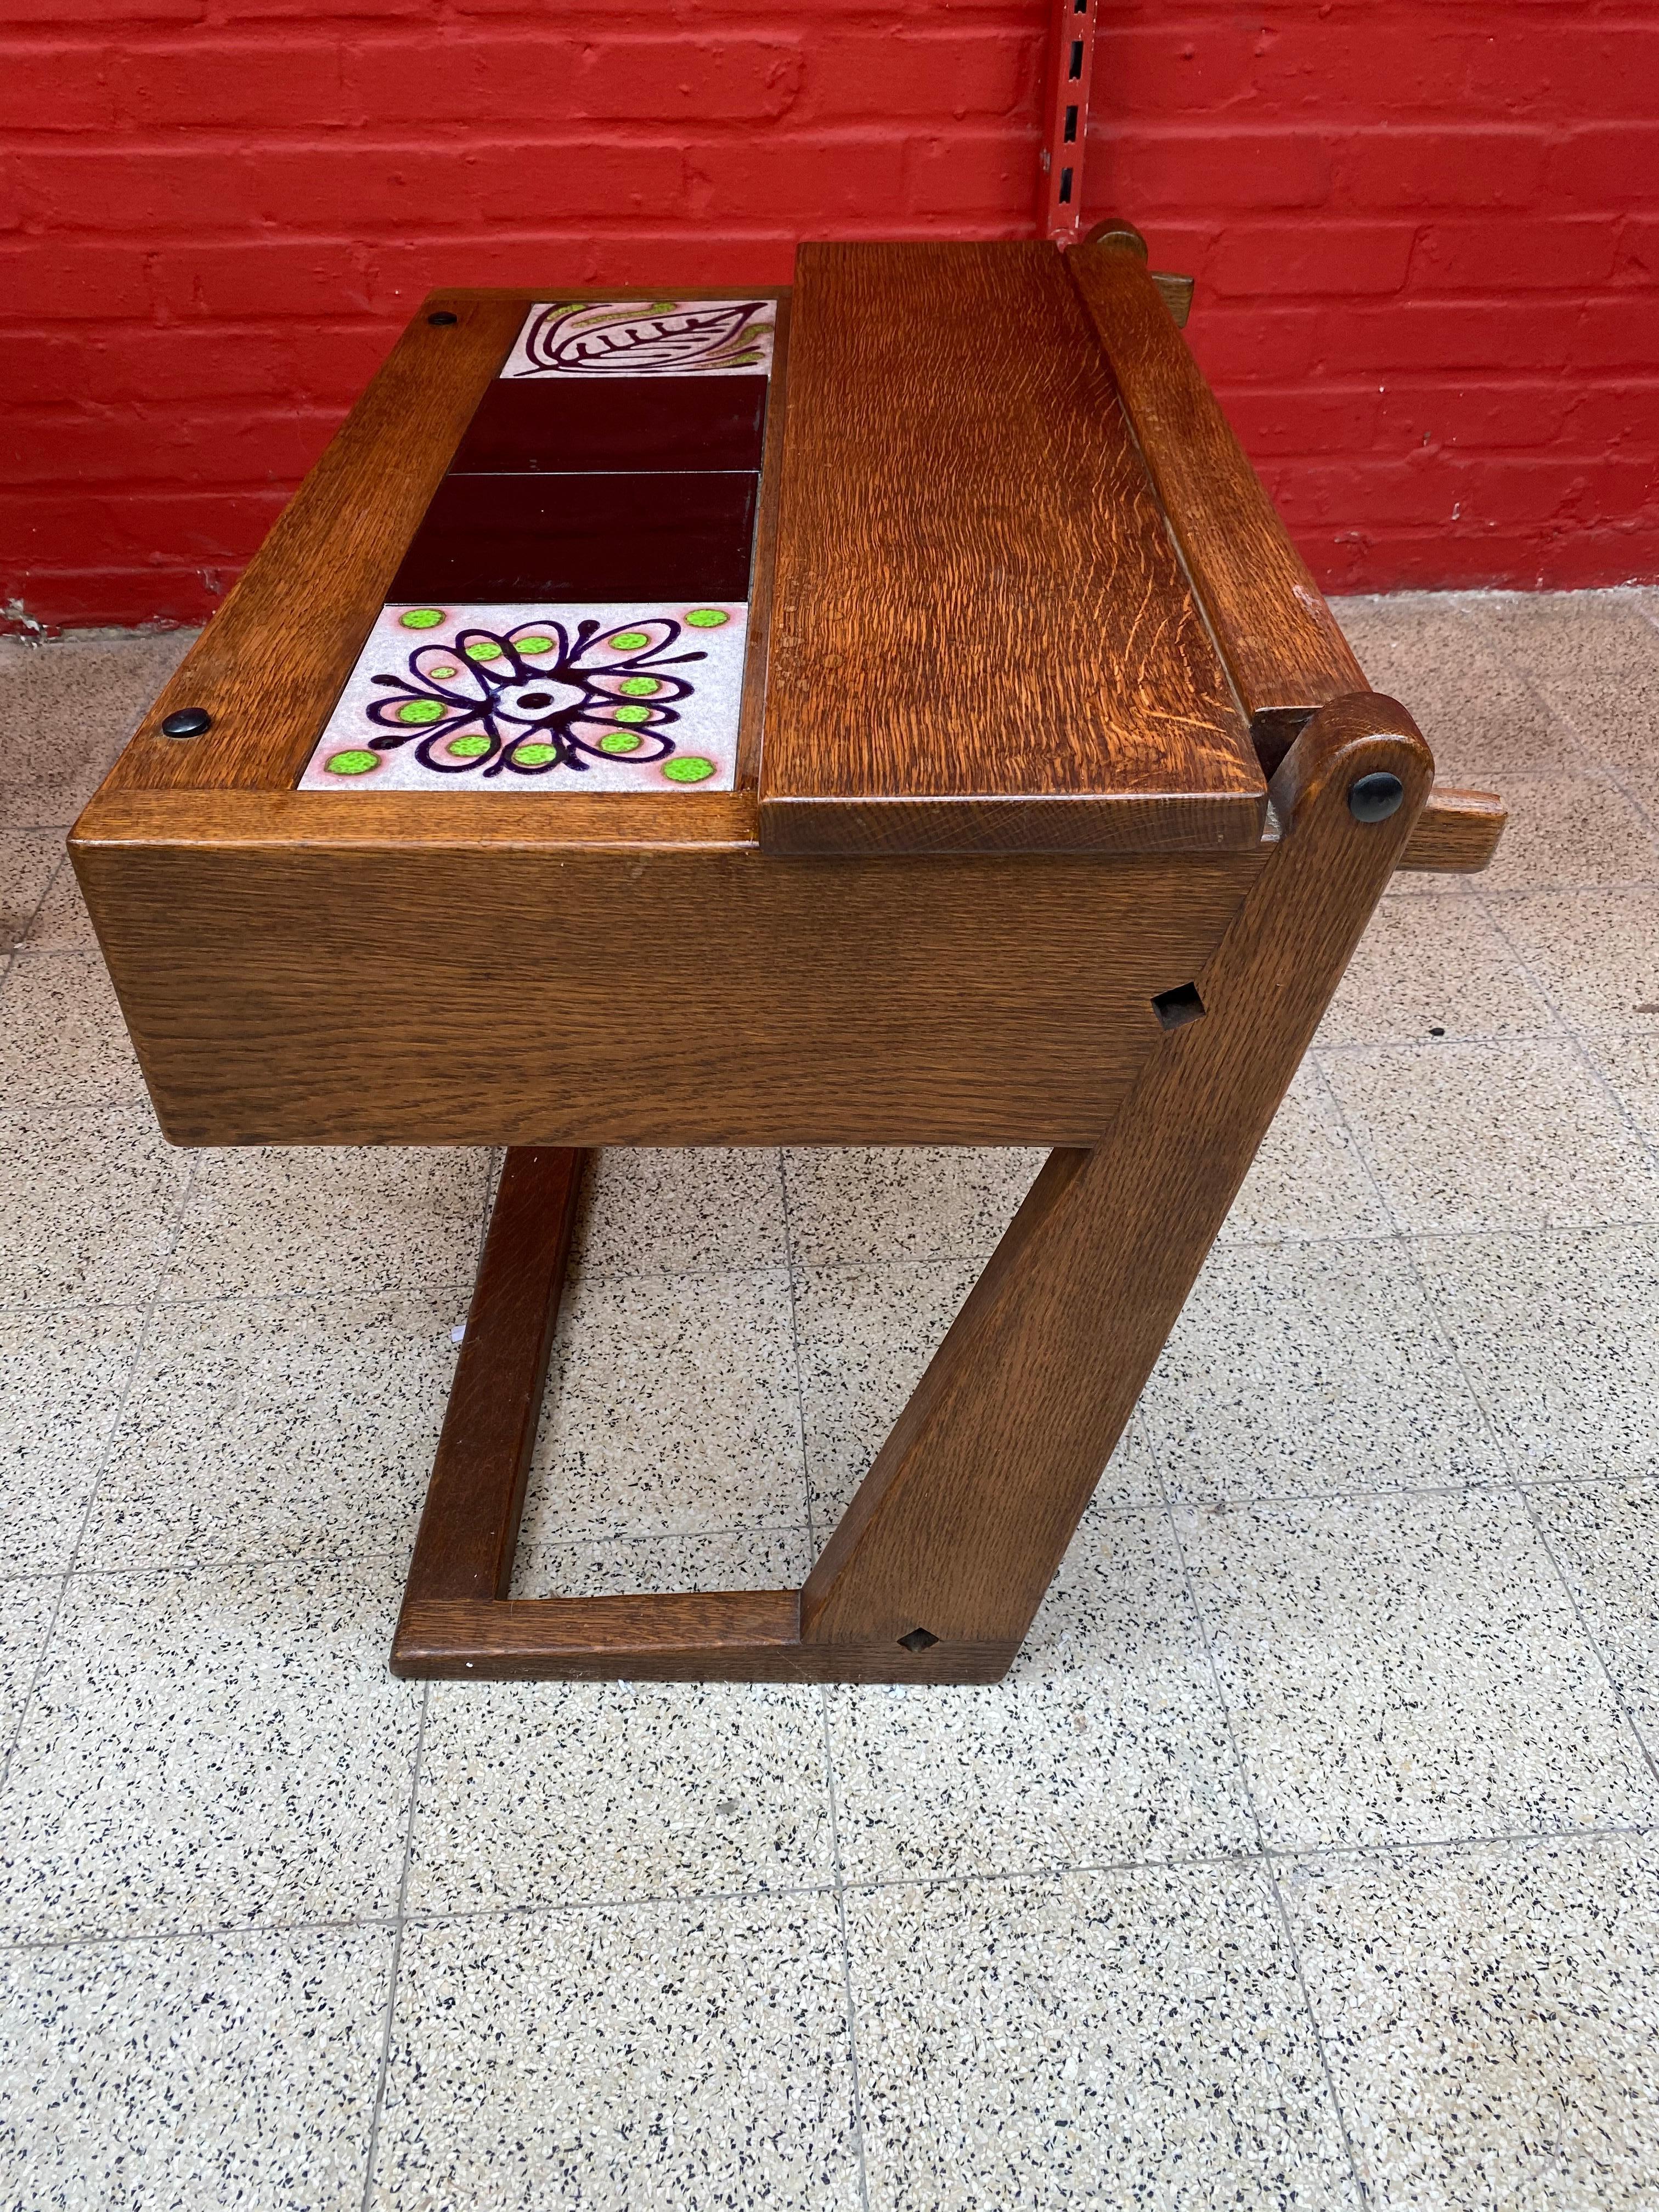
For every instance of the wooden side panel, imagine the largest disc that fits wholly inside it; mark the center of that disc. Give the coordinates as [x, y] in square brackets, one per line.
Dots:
[977, 600]
[1283, 649]
[279, 993]
[272, 662]
[470, 1527]
[963, 1517]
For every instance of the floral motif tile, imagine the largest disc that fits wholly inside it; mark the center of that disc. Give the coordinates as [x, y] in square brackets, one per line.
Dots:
[523, 698]
[645, 337]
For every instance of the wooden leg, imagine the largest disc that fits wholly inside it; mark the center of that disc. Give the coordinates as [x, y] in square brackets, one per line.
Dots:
[944, 1555]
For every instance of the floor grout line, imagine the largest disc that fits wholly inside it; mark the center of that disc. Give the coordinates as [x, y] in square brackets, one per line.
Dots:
[399, 1921]
[141, 1339]
[1248, 1787]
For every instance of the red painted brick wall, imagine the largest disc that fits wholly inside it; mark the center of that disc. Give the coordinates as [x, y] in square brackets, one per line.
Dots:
[1425, 233]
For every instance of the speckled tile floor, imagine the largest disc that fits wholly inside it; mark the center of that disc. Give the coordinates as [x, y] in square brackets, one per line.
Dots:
[1309, 1858]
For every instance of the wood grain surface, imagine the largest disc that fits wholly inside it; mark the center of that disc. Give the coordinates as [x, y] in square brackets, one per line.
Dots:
[271, 663]
[470, 1527]
[1457, 832]
[283, 986]
[1283, 649]
[964, 1515]
[975, 596]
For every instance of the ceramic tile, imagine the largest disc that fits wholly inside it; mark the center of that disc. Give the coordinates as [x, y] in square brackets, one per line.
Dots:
[260, 1431]
[1605, 1536]
[1309, 1369]
[29, 860]
[680, 1211]
[1309, 1179]
[1594, 953]
[1424, 968]
[761, 1558]
[559, 1793]
[671, 1409]
[89, 1204]
[1469, 697]
[1630, 1065]
[691, 2055]
[211, 1750]
[539, 697]
[627, 339]
[1561, 1336]
[1487, 2017]
[1105, 1742]
[865, 1336]
[631, 542]
[298, 1220]
[1470, 1136]
[1402, 1670]
[62, 923]
[1593, 657]
[1569, 831]
[69, 707]
[233, 2070]
[609, 423]
[864, 1206]
[1136, 2037]
[62, 1042]
[65, 1376]
[25, 1614]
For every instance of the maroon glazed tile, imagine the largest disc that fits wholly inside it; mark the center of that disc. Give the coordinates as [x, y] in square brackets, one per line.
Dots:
[496, 537]
[622, 423]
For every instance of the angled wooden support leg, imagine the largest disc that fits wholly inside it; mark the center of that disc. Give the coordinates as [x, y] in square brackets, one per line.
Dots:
[944, 1555]
[965, 1514]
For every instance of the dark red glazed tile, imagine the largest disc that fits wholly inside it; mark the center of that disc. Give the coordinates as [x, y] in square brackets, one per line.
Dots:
[633, 422]
[494, 537]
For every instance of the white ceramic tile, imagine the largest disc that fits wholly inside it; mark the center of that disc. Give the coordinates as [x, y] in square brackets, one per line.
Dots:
[540, 697]
[89, 1204]
[25, 1611]
[850, 1208]
[556, 1793]
[29, 860]
[70, 706]
[1105, 1742]
[1593, 657]
[671, 1409]
[1570, 830]
[1469, 697]
[61, 923]
[686, 2055]
[1594, 952]
[1487, 2015]
[260, 1431]
[299, 1220]
[1497, 1135]
[1402, 1670]
[1112, 2039]
[209, 1750]
[65, 1375]
[754, 1557]
[1424, 968]
[1308, 1369]
[235, 2070]
[1630, 1062]
[62, 1042]
[1559, 1333]
[685, 1209]
[1605, 1536]
[645, 337]
[1308, 1178]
